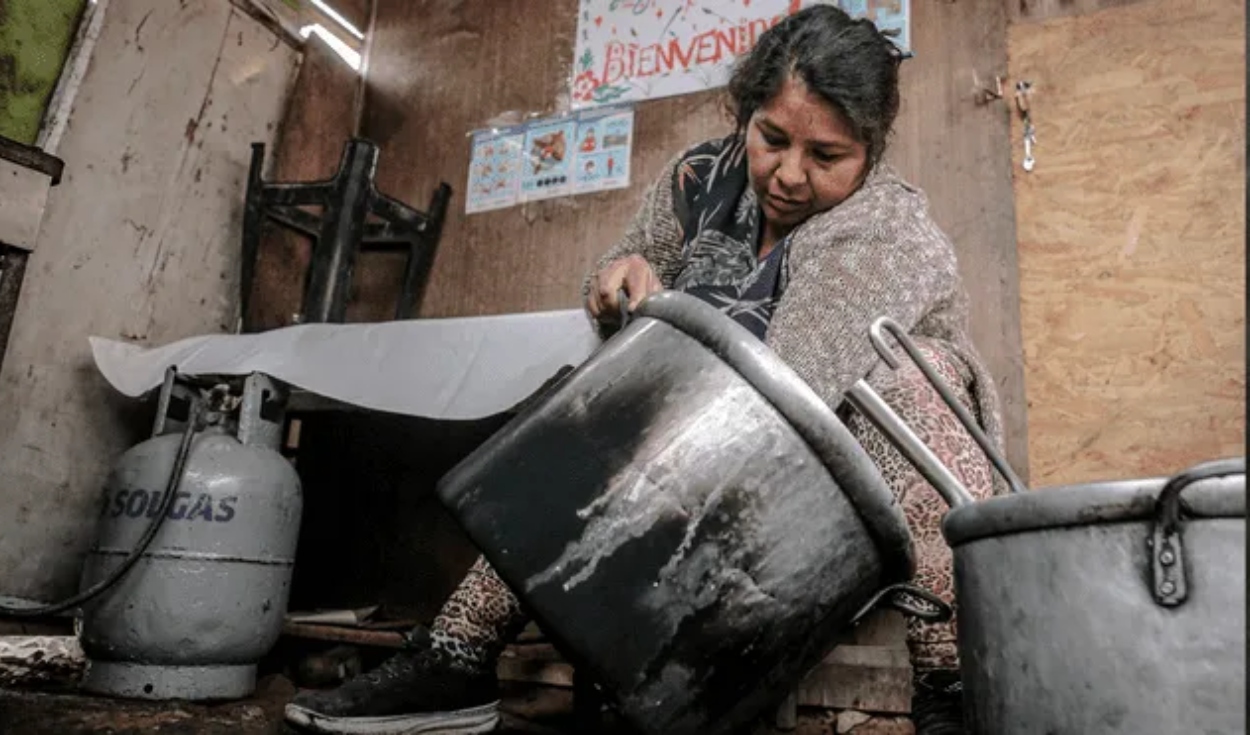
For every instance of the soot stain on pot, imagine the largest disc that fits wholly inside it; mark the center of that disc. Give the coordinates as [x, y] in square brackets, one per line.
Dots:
[674, 550]
[658, 455]
[527, 524]
[629, 511]
[505, 494]
[618, 499]
[619, 582]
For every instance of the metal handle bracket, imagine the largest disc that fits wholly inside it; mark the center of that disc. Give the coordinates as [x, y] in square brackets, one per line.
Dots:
[1170, 583]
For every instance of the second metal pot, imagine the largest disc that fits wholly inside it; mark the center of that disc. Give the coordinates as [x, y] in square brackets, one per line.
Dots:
[1114, 608]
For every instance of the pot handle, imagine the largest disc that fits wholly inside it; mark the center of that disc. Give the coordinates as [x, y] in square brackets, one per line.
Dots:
[622, 303]
[623, 318]
[1167, 551]
[876, 334]
[923, 604]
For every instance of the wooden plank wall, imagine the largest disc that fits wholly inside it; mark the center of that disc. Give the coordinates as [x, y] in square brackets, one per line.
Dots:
[1132, 238]
[140, 241]
[440, 69]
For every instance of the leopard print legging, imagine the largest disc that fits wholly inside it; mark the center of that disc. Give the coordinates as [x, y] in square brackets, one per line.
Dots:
[482, 615]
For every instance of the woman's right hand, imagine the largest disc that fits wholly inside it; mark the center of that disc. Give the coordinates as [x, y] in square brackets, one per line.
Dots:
[634, 274]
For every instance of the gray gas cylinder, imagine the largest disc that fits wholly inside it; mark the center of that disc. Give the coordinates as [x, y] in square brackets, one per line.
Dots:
[206, 600]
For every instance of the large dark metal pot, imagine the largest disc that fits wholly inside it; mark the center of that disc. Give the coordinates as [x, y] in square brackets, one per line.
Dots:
[686, 518]
[1113, 608]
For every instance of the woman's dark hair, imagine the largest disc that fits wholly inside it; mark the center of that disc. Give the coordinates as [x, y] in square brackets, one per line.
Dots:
[846, 62]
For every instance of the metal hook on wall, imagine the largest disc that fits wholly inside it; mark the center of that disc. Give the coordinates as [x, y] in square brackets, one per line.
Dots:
[984, 94]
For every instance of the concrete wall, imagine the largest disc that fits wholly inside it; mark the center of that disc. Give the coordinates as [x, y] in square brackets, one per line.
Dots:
[139, 242]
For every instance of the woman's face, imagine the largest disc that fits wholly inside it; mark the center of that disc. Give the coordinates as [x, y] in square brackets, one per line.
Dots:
[803, 156]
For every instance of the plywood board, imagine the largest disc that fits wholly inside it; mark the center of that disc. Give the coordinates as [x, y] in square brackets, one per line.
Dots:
[1132, 239]
[140, 241]
[439, 70]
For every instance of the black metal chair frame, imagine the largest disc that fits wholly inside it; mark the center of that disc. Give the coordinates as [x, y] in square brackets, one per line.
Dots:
[341, 231]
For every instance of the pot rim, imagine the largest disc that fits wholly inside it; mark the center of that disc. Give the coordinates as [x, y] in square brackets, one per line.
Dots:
[842, 456]
[1090, 504]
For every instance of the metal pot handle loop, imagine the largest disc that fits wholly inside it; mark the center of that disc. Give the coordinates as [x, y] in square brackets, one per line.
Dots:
[1167, 551]
[909, 600]
[877, 334]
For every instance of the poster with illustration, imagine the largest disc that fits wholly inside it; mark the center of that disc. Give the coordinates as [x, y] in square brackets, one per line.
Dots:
[547, 162]
[604, 144]
[495, 170]
[577, 153]
[631, 50]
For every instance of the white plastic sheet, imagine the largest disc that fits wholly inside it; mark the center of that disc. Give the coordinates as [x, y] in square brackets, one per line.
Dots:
[458, 369]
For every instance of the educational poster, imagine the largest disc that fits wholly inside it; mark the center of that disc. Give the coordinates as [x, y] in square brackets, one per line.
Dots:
[604, 144]
[548, 159]
[632, 50]
[494, 170]
[572, 154]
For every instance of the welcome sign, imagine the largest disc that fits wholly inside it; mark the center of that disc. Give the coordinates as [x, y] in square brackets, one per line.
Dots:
[631, 50]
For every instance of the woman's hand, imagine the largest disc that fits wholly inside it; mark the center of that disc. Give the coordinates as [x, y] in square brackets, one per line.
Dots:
[634, 274]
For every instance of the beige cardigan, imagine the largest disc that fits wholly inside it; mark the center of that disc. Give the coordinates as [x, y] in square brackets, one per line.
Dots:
[878, 253]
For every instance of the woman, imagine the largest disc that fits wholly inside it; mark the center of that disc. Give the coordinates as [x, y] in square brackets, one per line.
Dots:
[794, 228]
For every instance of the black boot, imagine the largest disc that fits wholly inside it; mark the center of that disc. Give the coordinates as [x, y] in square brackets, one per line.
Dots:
[417, 691]
[937, 704]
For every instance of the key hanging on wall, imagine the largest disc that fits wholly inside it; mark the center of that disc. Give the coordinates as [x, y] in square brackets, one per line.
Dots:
[1024, 89]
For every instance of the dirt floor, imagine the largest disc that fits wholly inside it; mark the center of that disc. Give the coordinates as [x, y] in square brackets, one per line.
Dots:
[527, 710]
